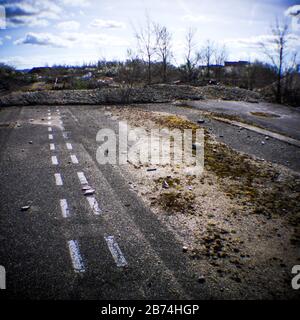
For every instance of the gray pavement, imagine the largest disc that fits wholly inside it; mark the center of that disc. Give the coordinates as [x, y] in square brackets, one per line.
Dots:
[117, 249]
[122, 252]
[240, 139]
[286, 120]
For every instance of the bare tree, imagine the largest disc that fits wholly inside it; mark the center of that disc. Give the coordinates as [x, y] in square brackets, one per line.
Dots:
[145, 37]
[191, 57]
[276, 51]
[289, 78]
[163, 47]
[129, 74]
[207, 54]
[220, 56]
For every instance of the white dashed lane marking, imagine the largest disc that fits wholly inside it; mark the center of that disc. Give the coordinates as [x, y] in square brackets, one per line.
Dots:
[49, 123]
[50, 136]
[50, 129]
[82, 178]
[52, 146]
[58, 179]
[76, 258]
[74, 159]
[49, 118]
[94, 205]
[64, 208]
[69, 146]
[115, 251]
[91, 199]
[54, 160]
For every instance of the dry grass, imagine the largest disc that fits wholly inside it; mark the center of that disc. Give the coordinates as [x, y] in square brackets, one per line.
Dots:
[175, 122]
[239, 220]
[254, 185]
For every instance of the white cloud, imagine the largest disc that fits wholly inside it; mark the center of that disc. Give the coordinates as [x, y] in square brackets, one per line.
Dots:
[197, 18]
[76, 3]
[294, 13]
[293, 10]
[93, 39]
[71, 39]
[42, 39]
[68, 25]
[14, 60]
[31, 13]
[108, 24]
[256, 41]
[8, 37]
[29, 21]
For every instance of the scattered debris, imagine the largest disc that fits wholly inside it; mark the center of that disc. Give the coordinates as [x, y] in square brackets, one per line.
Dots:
[184, 248]
[25, 208]
[196, 146]
[151, 169]
[89, 192]
[165, 185]
[216, 227]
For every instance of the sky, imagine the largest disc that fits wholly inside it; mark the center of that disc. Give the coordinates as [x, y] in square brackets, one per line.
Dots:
[44, 32]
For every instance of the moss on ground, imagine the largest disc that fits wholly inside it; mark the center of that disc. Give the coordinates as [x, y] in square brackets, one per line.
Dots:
[176, 201]
[175, 122]
[253, 184]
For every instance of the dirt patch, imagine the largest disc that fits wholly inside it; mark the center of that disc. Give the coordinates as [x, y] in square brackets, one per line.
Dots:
[239, 220]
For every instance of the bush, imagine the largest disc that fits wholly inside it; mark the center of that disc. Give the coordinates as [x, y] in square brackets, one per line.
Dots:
[11, 79]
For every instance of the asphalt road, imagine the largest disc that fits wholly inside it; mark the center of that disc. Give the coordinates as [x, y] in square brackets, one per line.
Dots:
[286, 119]
[67, 246]
[243, 140]
[108, 246]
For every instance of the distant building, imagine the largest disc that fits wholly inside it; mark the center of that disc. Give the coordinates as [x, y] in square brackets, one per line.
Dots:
[236, 63]
[233, 65]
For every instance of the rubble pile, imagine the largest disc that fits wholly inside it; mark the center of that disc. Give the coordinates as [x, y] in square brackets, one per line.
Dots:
[229, 93]
[159, 93]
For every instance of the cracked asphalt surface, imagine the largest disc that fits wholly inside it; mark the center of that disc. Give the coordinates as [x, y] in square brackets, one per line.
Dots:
[34, 243]
[240, 139]
[285, 121]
